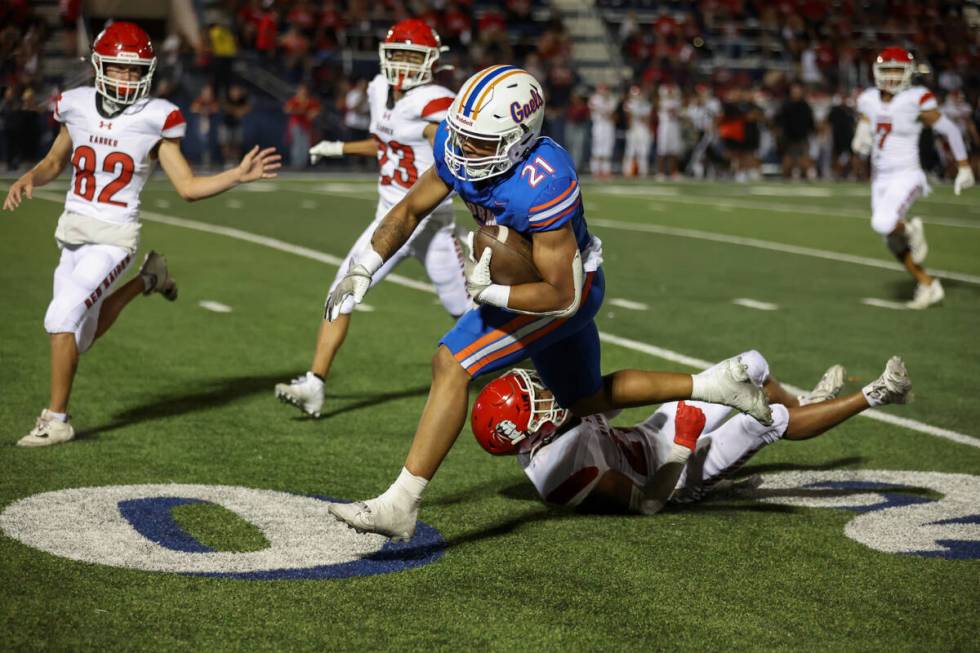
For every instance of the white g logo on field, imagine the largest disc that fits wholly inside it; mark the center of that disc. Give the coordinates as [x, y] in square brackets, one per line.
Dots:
[894, 517]
[131, 526]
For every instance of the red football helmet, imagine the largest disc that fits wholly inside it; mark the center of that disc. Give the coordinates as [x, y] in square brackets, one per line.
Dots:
[408, 53]
[893, 70]
[515, 413]
[123, 44]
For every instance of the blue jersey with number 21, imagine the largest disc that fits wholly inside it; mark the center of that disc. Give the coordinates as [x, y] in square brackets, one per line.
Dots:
[541, 193]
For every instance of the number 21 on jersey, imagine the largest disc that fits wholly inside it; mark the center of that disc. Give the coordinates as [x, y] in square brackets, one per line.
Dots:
[84, 162]
[536, 170]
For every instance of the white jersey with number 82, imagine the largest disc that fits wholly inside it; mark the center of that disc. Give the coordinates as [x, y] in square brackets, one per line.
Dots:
[110, 157]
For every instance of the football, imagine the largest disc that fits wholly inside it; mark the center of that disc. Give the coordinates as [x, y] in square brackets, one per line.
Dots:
[511, 262]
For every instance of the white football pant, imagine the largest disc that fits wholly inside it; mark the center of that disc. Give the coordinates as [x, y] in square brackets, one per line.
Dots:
[85, 276]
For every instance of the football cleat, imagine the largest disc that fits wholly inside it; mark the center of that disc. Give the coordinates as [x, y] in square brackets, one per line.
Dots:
[378, 516]
[305, 392]
[927, 295]
[828, 387]
[156, 277]
[47, 431]
[894, 386]
[916, 233]
[728, 383]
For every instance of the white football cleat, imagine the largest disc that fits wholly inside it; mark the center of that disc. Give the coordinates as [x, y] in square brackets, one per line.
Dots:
[47, 431]
[156, 277]
[828, 387]
[378, 516]
[927, 295]
[305, 392]
[728, 383]
[894, 386]
[916, 233]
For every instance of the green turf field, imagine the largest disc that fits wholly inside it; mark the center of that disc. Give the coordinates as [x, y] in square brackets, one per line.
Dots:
[179, 394]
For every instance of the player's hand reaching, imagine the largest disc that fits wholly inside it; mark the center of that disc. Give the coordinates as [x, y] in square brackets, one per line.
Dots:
[964, 179]
[326, 150]
[688, 425]
[259, 164]
[21, 187]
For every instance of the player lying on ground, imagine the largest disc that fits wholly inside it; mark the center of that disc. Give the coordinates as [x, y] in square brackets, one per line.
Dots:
[405, 110]
[489, 152]
[111, 134]
[641, 468]
[891, 119]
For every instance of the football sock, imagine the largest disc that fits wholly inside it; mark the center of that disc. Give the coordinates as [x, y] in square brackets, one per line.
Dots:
[407, 488]
[873, 398]
[316, 379]
[61, 417]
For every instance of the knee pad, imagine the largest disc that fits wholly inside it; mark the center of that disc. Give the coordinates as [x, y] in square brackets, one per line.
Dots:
[65, 314]
[898, 244]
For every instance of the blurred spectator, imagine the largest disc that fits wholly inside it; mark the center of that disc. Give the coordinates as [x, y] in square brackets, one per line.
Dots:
[669, 144]
[796, 125]
[206, 109]
[636, 156]
[234, 108]
[302, 110]
[357, 114]
[577, 129]
[69, 12]
[602, 107]
[842, 121]
[223, 51]
[703, 112]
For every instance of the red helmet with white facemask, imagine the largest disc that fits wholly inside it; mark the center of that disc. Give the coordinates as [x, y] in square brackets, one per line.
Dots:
[409, 37]
[124, 44]
[893, 70]
[515, 413]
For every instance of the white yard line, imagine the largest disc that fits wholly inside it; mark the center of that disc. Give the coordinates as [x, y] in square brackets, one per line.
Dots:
[216, 307]
[627, 343]
[628, 304]
[364, 308]
[770, 245]
[884, 303]
[727, 204]
[756, 304]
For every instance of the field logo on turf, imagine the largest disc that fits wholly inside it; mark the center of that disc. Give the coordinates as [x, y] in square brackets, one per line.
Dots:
[898, 512]
[133, 526]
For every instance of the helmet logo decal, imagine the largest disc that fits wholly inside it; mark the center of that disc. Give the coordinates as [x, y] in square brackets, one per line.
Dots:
[508, 430]
[520, 112]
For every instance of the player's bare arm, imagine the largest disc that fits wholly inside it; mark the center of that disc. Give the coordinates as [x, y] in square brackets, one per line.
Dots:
[46, 170]
[256, 164]
[400, 222]
[556, 256]
[943, 125]
[393, 232]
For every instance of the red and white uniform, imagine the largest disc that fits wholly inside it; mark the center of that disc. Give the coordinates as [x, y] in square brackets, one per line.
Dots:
[403, 154]
[567, 469]
[98, 233]
[639, 138]
[669, 142]
[603, 107]
[897, 178]
[111, 156]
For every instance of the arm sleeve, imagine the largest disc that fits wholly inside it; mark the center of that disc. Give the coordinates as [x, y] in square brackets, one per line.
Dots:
[435, 110]
[555, 204]
[174, 126]
[952, 134]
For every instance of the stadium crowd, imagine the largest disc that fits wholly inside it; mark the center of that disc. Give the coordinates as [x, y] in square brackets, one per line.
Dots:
[744, 87]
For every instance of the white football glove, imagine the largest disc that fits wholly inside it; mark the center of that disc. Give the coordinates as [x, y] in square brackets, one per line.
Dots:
[482, 288]
[862, 142]
[354, 285]
[326, 149]
[964, 179]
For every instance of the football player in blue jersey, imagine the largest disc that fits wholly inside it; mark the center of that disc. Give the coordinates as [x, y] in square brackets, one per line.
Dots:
[489, 151]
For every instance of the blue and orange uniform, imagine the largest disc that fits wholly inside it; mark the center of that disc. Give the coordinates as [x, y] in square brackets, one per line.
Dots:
[540, 193]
